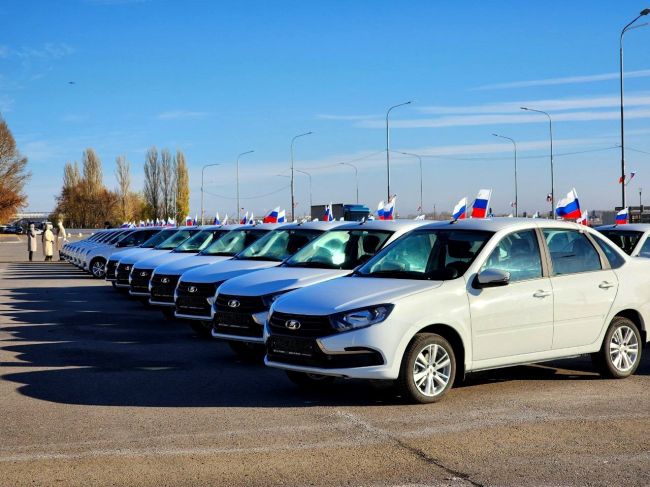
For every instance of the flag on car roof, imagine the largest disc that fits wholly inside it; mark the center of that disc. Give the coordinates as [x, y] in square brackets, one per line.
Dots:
[569, 208]
[380, 210]
[272, 216]
[584, 218]
[460, 210]
[244, 220]
[623, 216]
[481, 203]
[216, 220]
[389, 209]
[251, 220]
[282, 216]
[328, 216]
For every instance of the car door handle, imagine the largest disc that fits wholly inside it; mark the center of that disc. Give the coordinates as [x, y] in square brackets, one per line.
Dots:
[606, 285]
[542, 294]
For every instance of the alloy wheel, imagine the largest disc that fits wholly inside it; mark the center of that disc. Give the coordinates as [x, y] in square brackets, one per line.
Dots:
[624, 348]
[432, 370]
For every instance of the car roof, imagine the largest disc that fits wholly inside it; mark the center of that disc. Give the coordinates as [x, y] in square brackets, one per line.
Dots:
[392, 225]
[505, 223]
[316, 225]
[635, 227]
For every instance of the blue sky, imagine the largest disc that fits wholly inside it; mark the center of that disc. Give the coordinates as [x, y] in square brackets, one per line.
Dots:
[219, 78]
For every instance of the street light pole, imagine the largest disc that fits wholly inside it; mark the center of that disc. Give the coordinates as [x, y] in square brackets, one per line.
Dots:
[388, 147]
[550, 132]
[516, 191]
[421, 184]
[356, 176]
[242, 154]
[620, 66]
[202, 173]
[309, 176]
[292, 175]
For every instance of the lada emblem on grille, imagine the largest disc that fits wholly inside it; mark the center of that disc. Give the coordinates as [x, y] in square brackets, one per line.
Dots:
[233, 303]
[165, 280]
[143, 273]
[127, 267]
[192, 289]
[292, 324]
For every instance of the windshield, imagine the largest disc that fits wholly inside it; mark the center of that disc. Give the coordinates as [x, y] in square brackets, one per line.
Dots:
[233, 242]
[114, 237]
[278, 245]
[158, 238]
[199, 241]
[176, 239]
[624, 239]
[340, 249]
[439, 255]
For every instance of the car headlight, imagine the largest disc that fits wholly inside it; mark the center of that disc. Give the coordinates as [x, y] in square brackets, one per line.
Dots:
[269, 299]
[361, 318]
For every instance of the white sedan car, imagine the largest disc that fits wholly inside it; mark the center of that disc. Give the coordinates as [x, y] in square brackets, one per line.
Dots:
[452, 298]
[632, 238]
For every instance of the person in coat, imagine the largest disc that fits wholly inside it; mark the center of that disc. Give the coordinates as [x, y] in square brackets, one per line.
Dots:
[61, 237]
[48, 242]
[32, 245]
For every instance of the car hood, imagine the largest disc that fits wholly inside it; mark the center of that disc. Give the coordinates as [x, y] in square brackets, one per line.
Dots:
[151, 262]
[133, 258]
[180, 266]
[225, 270]
[278, 279]
[348, 293]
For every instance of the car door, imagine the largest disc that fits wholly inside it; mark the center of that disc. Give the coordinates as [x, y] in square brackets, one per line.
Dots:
[584, 287]
[517, 318]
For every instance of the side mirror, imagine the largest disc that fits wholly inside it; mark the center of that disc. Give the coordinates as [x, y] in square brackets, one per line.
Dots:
[492, 278]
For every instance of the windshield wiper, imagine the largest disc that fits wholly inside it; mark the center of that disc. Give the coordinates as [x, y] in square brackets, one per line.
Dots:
[315, 264]
[397, 275]
[261, 257]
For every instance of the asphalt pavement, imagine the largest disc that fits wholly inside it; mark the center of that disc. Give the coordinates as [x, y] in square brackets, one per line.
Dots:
[96, 389]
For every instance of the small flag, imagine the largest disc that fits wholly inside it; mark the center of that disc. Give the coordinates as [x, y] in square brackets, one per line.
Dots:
[244, 220]
[623, 217]
[584, 219]
[481, 203]
[328, 217]
[536, 214]
[271, 216]
[282, 217]
[389, 209]
[460, 210]
[380, 210]
[216, 220]
[569, 208]
[251, 220]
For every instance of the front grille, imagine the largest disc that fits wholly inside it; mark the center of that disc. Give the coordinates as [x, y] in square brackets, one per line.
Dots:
[111, 270]
[192, 298]
[239, 324]
[140, 280]
[162, 287]
[306, 352]
[122, 274]
[310, 326]
[240, 304]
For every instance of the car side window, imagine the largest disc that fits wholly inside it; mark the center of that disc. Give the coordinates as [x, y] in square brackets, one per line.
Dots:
[571, 252]
[614, 259]
[645, 249]
[517, 253]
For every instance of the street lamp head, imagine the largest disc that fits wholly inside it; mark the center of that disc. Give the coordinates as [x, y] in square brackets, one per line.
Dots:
[524, 108]
[496, 135]
[645, 11]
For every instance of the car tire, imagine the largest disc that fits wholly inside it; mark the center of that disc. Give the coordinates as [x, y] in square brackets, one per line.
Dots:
[97, 268]
[247, 351]
[620, 353]
[310, 382]
[168, 313]
[428, 369]
[202, 328]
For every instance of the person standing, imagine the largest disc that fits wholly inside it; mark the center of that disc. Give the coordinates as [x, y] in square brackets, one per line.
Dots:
[32, 245]
[48, 242]
[61, 237]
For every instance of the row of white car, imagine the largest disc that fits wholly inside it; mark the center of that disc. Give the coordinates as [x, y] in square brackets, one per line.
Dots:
[418, 303]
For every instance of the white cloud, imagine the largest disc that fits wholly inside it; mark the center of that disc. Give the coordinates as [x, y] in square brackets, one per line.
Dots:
[564, 81]
[181, 115]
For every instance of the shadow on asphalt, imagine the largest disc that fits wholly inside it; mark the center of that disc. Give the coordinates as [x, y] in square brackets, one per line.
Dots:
[121, 354]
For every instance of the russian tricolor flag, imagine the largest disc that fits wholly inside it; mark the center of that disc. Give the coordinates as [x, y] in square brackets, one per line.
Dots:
[569, 207]
[389, 209]
[481, 203]
[282, 216]
[216, 220]
[272, 216]
[328, 217]
[380, 210]
[460, 210]
[623, 216]
[244, 220]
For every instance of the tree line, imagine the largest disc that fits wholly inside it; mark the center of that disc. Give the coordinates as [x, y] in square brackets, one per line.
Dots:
[13, 175]
[85, 202]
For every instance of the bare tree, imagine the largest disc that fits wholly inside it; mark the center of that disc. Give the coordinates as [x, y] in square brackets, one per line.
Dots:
[152, 183]
[123, 176]
[13, 175]
[182, 187]
[71, 175]
[92, 171]
[167, 183]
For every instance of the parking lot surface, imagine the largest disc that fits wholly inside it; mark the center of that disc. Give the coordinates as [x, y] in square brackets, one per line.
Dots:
[98, 390]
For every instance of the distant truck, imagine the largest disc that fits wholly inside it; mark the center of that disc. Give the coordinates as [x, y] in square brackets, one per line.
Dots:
[351, 213]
